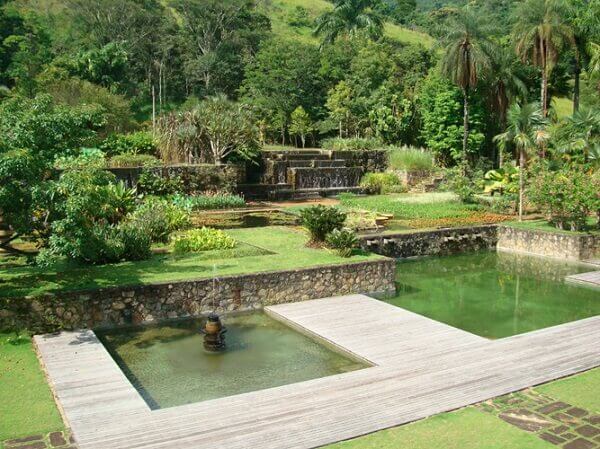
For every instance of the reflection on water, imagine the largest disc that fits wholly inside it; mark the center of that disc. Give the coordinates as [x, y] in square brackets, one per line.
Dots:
[494, 294]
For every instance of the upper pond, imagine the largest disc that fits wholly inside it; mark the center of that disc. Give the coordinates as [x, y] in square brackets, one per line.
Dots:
[168, 365]
[493, 294]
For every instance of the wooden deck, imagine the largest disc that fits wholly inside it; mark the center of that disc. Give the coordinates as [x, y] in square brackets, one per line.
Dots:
[591, 278]
[422, 367]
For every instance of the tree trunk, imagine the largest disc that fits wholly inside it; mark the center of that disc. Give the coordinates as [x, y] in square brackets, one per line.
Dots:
[576, 85]
[465, 121]
[521, 182]
[544, 92]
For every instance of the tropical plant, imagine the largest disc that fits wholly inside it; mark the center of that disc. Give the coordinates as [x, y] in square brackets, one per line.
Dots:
[578, 136]
[541, 32]
[350, 18]
[466, 58]
[160, 218]
[141, 142]
[204, 239]
[321, 220]
[526, 131]
[152, 183]
[502, 180]
[376, 183]
[343, 241]
[87, 157]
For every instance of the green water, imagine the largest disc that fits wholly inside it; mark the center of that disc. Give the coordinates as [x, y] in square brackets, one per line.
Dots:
[167, 363]
[493, 294]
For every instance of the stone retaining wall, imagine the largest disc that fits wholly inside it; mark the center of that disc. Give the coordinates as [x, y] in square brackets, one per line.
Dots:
[550, 244]
[432, 243]
[138, 304]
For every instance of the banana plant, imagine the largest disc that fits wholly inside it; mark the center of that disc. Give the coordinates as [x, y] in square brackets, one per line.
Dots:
[502, 180]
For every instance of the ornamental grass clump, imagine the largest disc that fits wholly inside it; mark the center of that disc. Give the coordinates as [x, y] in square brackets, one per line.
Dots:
[376, 183]
[410, 159]
[208, 202]
[204, 239]
[320, 220]
[343, 241]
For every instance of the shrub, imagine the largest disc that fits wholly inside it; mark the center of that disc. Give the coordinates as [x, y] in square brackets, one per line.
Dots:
[502, 180]
[132, 160]
[160, 218]
[321, 220]
[141, 142]
[410, 159]
[137, 242]
[206, 202]
[150, 183]
[203, 239]
[461, 184]
[343, 241]
[566, 196]
[376, 183]
[351, 144]
[87, 157]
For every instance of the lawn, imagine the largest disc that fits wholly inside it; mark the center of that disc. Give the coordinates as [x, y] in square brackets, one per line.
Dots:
[582, 390]
[427, 210]
[464, 429]
[264, 249]
[26, 403]
[282, 13]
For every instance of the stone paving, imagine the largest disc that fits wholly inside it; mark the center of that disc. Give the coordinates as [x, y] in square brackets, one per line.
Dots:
[554, 421]
[52, 440]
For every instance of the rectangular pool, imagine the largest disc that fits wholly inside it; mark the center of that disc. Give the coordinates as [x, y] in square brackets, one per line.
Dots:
[494, 294]
[168, 365]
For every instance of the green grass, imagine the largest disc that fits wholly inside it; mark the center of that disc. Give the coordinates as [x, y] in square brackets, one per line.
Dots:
[464, 429]
[26, 403]
[410, 158]
[286, 249]
[280, 12]
[543, 225]
[580, 390]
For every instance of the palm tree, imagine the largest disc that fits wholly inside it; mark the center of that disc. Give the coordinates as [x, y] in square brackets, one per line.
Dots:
[540, 34]
[526, 131]
[579, 135]
[350, 17]
[505, 84]
[466, 57]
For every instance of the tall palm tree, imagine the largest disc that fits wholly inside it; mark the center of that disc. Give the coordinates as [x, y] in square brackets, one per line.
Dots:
[526, 130]
[466, 57]
[541, 33]
[350, 17]
[505, 84]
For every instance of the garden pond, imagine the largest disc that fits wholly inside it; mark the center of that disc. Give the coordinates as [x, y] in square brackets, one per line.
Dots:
[494, 294]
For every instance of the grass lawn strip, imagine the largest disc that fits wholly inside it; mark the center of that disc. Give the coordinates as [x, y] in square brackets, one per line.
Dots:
[286, 247]
[582, 390]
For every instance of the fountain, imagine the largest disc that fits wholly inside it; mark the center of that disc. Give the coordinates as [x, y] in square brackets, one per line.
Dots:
[214, 334]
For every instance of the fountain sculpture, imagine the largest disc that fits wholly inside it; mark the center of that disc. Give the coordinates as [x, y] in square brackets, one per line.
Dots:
[214, 334]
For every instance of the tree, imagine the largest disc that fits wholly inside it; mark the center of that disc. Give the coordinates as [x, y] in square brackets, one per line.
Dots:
[466, 57]
[540, 34]
[339, 103]
[301, 124]
[350, 18]
[578, 136]
[526, 131]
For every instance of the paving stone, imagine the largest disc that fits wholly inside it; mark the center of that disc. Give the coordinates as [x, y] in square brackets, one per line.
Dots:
[551, 438]
[560, 429]
[553, 407]
[588, 431]
[577, 412]
[569, 436]
[25, 439]
[566, 419]
[57, 439]
[579, 443]
[34, 445]
[525, 419]
[594, 419]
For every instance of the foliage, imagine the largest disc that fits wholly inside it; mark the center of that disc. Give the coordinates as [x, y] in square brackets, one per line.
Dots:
[376, 183]
[321, 220]
[151, 183]
[87, 157]
[343, 241]
[159, 218]
[132, 160]
[501, 180]
[350, 144]
[203, 239]
[350, 18]
[301, 124]
[410, 158]
[577, 138]
[461, 183]
[141, 142]
[207, 202]
[567, 196]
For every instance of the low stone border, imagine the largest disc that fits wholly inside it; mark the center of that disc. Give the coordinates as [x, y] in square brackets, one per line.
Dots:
[550, 244]
[146, 303]
[52, 440]
[431, 243]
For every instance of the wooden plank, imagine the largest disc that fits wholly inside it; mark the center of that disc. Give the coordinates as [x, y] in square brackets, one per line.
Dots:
[421, 367]
[591, 278]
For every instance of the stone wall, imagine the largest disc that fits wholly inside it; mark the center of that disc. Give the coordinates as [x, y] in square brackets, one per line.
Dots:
[550, 244]
[431, 243]
[195, 178]
[145, 303]
[369, 160]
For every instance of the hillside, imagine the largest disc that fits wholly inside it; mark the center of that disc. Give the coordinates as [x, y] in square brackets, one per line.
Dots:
[294, 19]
